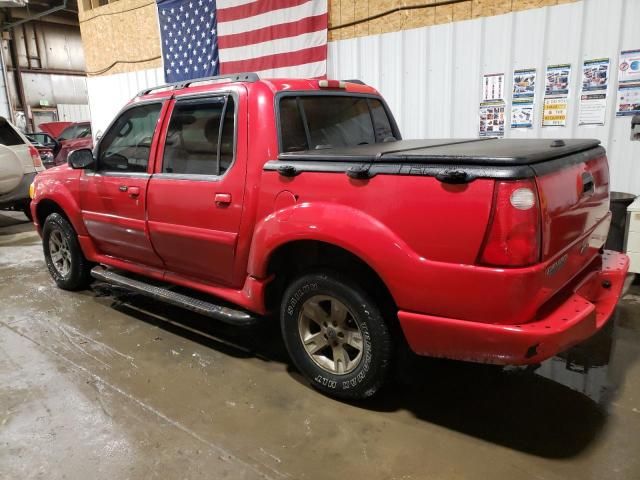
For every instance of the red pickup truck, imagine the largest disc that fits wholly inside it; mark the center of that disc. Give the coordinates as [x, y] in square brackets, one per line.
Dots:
[237, 197]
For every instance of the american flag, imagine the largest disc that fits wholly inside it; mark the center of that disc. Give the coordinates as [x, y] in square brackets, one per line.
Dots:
[275, 38]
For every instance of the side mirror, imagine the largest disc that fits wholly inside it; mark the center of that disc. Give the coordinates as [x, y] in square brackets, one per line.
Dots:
[81, 159]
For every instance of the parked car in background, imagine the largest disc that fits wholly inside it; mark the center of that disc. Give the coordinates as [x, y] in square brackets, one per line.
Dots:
[74, 137]
[300, 198]
[44, 139]
[19, 163]
[45, 152]
[54, 128]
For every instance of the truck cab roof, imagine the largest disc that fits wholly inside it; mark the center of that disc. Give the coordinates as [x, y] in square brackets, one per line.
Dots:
[275, 85]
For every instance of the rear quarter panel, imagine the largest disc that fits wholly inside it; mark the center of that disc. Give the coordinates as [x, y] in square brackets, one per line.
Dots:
[440, 222]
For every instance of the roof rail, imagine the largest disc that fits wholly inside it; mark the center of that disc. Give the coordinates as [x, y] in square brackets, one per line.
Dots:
[233, 77]
[354, 80]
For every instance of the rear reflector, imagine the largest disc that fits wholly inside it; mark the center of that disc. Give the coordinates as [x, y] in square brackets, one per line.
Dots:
[35, 156]
[513, 235]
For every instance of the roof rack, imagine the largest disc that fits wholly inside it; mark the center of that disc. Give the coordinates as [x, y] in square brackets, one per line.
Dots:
[233, 77]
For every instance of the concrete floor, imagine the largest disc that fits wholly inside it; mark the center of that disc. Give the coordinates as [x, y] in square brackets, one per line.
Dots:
[105, 384]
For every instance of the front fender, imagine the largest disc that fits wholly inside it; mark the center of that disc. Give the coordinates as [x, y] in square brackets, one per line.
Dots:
[346, 227]
[58, 190]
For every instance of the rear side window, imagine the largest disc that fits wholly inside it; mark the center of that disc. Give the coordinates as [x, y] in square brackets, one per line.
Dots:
[8, 135]
[326, 121]
[200, 138]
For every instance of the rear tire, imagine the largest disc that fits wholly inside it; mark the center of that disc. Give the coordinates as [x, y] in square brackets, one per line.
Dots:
[336, 335]
[66, 263]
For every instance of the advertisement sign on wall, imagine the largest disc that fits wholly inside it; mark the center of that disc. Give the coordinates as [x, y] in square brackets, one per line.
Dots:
[492, 87]
[554, 112]
[524, 83]
[522, 113]
[557, 79]
[492, 119]
[628, 99]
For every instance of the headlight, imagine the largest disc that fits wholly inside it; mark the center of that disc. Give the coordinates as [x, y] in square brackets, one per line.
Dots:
[32, 190]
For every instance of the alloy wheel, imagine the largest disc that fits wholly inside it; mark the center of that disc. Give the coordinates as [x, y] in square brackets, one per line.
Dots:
[330, 334]
[60, 253]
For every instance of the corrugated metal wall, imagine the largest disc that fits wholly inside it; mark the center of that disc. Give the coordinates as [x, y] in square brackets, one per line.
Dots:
[73, 112]
[431, 76]
[109, 93]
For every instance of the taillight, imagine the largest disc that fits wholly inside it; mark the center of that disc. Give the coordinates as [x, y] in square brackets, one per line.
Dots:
[35, 156]
[513, 236]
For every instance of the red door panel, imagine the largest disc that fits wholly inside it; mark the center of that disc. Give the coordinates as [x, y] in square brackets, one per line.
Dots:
[115, 216]
[194, 212]
[194, 235]
[113, 199]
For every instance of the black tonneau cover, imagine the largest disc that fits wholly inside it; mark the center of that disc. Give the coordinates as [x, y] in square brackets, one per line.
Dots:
[471, 152]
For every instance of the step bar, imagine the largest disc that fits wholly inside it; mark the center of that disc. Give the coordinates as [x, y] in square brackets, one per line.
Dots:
[223, 314]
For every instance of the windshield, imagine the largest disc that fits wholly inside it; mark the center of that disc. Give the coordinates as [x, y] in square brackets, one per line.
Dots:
[75, 131]
[317, 122]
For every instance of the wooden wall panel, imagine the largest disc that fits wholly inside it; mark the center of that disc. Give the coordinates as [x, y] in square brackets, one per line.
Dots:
[122, 31]
[343, 11]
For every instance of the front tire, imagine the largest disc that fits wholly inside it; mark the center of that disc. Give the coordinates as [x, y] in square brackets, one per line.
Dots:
[66, 262]
[336, 335]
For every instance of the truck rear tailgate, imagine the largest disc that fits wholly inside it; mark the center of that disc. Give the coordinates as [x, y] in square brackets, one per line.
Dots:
[574, 199]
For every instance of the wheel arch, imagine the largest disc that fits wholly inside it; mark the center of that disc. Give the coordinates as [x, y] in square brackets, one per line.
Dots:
[296, 257]
[62, 205]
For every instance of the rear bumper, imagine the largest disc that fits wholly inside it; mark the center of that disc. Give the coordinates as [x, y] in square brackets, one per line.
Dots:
[584, 309]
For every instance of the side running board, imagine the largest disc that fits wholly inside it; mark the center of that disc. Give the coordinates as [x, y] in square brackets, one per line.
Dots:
[224, 314]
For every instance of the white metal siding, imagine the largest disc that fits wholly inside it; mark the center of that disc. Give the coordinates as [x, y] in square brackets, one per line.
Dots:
[431, 76]
[73, 113]
[109, 93]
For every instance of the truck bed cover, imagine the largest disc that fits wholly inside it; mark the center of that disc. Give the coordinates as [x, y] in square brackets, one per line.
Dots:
[472, 152]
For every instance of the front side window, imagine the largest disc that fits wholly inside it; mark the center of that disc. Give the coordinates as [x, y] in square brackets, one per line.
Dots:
[329, 121]
[200, 137]
[127, 144]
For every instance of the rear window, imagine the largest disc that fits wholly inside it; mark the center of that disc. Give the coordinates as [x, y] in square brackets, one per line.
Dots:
[8, 135]
[327, 121]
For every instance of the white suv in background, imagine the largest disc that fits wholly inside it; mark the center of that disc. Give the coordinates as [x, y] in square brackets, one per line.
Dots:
[19, 164]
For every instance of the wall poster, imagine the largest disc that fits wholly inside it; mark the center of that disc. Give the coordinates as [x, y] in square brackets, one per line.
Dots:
[522, 113]
[524, 83]
[628, 98]
[492, 119]
[554, 112]
[593, 107]
[492, 87]
[595, 75]
[557, 79]
[523, 94]
[593, 100]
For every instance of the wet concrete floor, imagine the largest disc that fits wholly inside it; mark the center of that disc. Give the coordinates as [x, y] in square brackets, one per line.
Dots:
[106, 384]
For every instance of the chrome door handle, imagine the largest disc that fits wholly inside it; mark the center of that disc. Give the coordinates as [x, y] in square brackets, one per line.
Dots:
[222, 199]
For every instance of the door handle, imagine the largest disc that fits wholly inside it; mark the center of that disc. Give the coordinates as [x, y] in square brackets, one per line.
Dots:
[222, 199]
[134, 191]
[588, 185]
